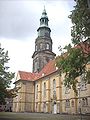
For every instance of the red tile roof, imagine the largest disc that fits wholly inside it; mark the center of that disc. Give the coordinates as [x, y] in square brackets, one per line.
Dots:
[85, 46]
[26, 75]
[48, 69]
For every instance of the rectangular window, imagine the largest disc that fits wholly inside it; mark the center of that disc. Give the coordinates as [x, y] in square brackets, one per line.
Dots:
[67, 90]
[84, 101]
[83, 85]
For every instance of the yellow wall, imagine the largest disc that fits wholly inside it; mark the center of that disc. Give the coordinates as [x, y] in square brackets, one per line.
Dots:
[48, 100]
[27, 99]
[24, 101]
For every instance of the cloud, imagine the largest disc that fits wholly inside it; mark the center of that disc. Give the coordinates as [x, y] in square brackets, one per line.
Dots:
[19, 21]
[20, 54]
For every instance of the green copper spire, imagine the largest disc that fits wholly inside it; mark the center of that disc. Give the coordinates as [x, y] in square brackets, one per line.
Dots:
[44, 19]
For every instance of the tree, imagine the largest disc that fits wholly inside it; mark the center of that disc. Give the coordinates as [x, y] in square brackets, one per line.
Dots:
[73, 62]
[5, 76]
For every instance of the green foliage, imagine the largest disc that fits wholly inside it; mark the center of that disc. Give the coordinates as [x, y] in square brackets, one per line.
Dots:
[80, 18]
[5, 75]
[73, 62]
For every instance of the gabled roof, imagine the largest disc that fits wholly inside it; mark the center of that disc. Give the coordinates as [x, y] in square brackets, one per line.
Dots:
[26, 75]
[47, 70]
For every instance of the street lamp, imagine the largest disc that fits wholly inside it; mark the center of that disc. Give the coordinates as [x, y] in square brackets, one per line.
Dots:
[79, 89]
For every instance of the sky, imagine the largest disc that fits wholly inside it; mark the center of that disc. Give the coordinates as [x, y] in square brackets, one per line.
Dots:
[19, 21]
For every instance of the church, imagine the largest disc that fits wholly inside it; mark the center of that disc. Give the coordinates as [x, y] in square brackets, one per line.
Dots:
[43, 89]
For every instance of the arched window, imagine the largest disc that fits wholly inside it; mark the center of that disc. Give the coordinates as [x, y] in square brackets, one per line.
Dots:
[41, 46]
[36, 91]
[42, 21]
[54, 88]
[54, 84]
[44, 90]
[47, 46]
[36, 48]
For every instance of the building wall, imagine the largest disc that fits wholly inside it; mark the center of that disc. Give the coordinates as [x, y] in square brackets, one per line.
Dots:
[49, 95]
[65, 99]
[72, 103]
[24, 101]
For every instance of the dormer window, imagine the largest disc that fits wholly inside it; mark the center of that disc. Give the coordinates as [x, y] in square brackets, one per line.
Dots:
[47, 46]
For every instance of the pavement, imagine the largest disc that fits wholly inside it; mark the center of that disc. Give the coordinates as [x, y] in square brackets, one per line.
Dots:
[40, 116]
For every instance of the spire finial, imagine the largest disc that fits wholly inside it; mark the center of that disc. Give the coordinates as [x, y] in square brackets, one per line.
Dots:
[44, 11]
[44, 7]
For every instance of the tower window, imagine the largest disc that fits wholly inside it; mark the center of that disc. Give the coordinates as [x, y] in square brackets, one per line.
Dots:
[47, 46]
[41, 45]
[42, 21]
[36, 48]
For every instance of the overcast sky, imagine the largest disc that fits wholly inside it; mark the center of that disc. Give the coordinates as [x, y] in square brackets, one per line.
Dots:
[19, 21]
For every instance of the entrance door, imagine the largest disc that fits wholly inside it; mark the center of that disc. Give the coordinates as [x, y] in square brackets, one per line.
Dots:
[55, 109]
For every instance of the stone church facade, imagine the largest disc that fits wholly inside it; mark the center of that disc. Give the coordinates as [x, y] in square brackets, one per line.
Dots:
[43, 90]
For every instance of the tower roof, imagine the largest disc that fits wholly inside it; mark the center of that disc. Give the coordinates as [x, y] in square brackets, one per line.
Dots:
[44, 14]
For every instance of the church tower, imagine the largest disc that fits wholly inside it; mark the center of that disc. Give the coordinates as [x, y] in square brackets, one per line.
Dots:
[43, 45]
